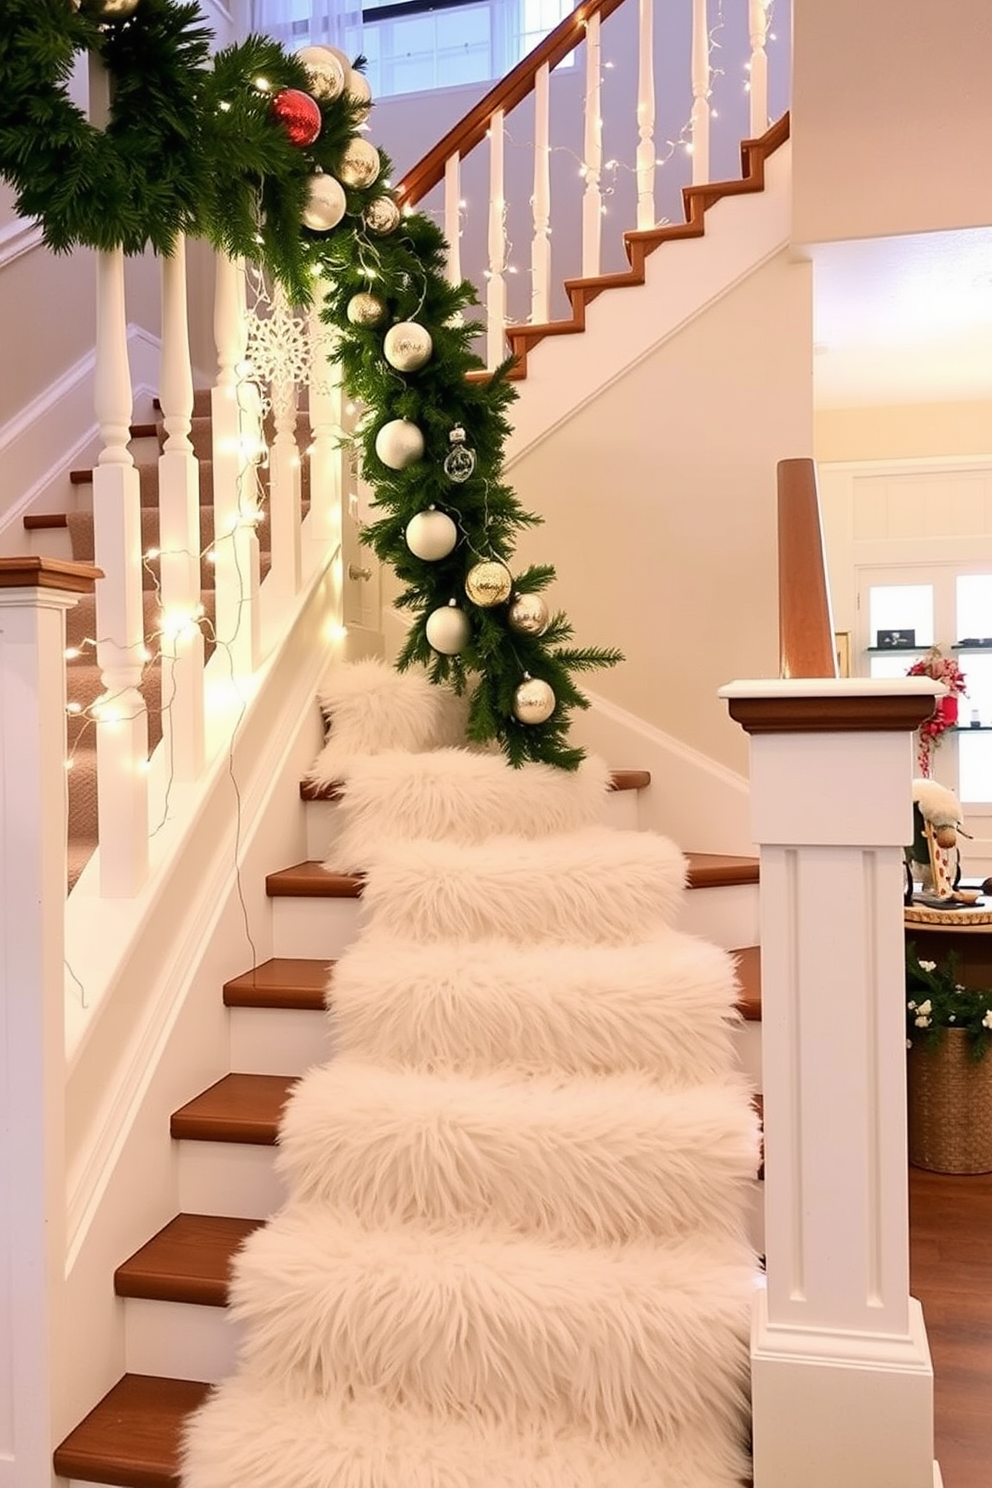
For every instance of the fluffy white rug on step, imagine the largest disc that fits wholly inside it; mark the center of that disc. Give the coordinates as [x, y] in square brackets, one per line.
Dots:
[666, 1005]
[581, 1160]
[594, 887]
[455, 796]
[629, 1342]
[328, 1441]
[369, 708]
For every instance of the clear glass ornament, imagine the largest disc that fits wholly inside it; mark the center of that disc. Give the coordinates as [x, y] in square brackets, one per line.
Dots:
[459, 462]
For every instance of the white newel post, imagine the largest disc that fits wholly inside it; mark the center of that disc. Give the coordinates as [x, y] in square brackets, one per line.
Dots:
[236, 434]
[841, 1380]
[34, 596]
[179, 535]
[120, 713]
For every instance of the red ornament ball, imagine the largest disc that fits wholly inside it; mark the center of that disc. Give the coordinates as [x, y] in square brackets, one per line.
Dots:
[298, 114]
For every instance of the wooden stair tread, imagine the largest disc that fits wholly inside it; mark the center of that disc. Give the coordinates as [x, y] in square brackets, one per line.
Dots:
[38, 521]
[189, 1260]
[749, 976]
[312, 881]
[283, 982]
[332, 790]
[238, 1108]
[716, 870]
[132, 1437]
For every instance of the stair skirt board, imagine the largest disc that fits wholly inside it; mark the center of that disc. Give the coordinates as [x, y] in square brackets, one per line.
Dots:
[513, 1248]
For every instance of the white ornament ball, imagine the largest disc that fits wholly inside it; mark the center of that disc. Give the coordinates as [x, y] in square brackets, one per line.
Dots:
[358, 90]
[326, 203]
[326, 71]
[488, 583]
[528, 614]
[382, 216]
[533, 701]
[448, 630]
[360, 164]
[431, 535]
[407, 346]
[399, 444]
[365, 309]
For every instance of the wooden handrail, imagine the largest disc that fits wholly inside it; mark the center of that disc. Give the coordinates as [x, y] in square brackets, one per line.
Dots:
[805, 624]
[507, 93]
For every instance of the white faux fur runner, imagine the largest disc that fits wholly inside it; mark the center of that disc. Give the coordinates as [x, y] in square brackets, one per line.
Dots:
[513, 1253]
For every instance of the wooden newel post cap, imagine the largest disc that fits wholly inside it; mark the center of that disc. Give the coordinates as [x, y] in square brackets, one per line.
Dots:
[828, 705]
[33, 572]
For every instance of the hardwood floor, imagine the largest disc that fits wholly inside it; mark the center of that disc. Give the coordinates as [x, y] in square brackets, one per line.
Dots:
[951, 1270]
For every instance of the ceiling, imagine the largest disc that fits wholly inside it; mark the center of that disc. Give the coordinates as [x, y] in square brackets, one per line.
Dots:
[903, 320]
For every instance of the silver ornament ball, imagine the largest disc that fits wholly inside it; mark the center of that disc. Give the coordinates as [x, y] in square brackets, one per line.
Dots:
[528, 614]
[325, 203]
[325, 71]
[360, 164]
[407, 346]
[359, 93]
[448, 630]
[365, 309]
[382, 216]
[431, 535]
[399, 444]
[488, 583]
[533, 701]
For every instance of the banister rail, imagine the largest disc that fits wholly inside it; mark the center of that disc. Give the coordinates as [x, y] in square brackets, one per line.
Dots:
[806, 632]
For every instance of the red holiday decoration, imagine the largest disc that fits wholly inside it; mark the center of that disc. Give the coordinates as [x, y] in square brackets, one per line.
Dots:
[298, 114]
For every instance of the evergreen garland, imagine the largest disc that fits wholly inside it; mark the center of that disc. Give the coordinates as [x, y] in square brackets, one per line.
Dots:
[199, 150]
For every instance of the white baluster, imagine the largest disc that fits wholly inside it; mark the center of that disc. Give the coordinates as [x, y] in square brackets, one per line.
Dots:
[645, 116]
[496, 287]
[34, 595]
[592, 161]
[326, 453]
[236, 436]
[122, 723]
[284, 482]
[757, 17]
[700, 93]
[179, 535]
[540, 253]
[453, 216]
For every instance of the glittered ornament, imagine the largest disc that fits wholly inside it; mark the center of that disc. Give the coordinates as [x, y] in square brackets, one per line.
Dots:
[325, 71]
[407, 346]
[448, 629]
[533, 701]
[399, 444]
[365, 309]
[382, 216]
[359, 93]
[109, 10]
[326, 203]
[488, 583]
[528, 614]
[431, 535]
[299, 116]
[459, 462]
[360, 164]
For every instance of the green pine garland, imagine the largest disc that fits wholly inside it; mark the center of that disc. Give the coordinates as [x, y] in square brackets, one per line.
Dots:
[197, 149]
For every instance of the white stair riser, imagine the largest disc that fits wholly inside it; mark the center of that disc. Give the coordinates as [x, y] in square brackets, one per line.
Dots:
[323, 820]
[748, 1042]
[727, 916]
[235, 1178]
[278, 1041]
[316, 929]
[181, 1340]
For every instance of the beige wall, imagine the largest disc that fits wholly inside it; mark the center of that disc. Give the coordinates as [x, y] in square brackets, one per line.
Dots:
[891, 118]
[659, 506]
[903, 431]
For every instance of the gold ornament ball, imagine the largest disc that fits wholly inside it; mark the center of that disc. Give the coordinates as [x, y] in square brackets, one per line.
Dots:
[529, 614]
[382, 216]
[399, 444]
[326, 203]
[489, 583]
[533, 701]
[325, 70]
[407, 346]
[110, 10]
[448, 630]
[365, 309]
[359, 93]
[360, 164]
[431, 535]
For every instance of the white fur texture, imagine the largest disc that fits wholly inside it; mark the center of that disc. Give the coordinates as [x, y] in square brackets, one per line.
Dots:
[455, 796]
[369, 707]
[594, 1159]
[665, 1005]
[627, 1341]
[340, 1441]
[594, 887]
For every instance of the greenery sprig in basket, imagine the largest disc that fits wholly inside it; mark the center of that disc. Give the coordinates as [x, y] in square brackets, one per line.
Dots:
[936, 1001]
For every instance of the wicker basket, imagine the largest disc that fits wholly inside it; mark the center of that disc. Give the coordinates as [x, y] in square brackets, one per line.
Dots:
[950, 1106]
